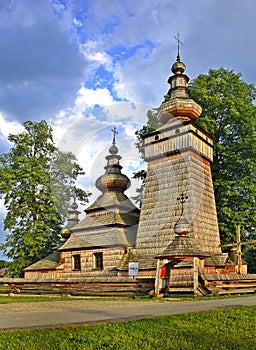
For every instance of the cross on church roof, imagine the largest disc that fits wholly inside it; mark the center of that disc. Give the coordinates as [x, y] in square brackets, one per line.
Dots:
[179, 42]
[182, 200]
[115, 133]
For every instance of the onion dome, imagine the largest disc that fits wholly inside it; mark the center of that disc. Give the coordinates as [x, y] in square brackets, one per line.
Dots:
[182, 226]
[178, 67]
[73, 214]
[113, 179]
[65, 232]
[113, 149]
[74, 205]
[72, 220]
[113, 184]
[179, 104]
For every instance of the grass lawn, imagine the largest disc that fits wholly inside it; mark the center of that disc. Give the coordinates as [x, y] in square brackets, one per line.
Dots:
[226, 328]
[4, 299]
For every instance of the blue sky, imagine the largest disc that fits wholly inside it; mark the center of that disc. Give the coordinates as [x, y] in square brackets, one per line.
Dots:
[87, 65]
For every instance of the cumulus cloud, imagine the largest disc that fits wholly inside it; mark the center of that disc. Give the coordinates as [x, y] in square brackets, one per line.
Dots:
[91, 51]
[9, 127]
[41, 69]
[208, 30]
[89, 98]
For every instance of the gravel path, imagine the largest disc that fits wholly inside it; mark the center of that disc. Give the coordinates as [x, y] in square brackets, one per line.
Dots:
[73, 312]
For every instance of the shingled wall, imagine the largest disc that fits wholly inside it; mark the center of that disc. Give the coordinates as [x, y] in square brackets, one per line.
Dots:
[174, 170]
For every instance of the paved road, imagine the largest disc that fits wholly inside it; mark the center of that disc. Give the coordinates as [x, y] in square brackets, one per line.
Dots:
[72, 312]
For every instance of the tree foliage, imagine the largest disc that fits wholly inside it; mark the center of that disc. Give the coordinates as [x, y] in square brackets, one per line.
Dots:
[2, 263]
[229, 115]
[36, 182]
[152, 124]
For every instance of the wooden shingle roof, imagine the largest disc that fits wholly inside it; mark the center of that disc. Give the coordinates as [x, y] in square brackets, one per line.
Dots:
[112, 199]
[110, 237]
[182, 246]
[218, 260]
[49, 263]
[106, 218]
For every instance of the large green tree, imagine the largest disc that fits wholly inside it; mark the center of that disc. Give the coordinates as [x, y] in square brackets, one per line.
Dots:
[36, 182]
[229, 115]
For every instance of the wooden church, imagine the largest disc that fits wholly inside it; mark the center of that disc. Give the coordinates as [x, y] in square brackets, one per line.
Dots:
[173, 244]
[97, 245]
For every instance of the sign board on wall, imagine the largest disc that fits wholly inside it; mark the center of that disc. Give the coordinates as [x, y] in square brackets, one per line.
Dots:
[133, 269]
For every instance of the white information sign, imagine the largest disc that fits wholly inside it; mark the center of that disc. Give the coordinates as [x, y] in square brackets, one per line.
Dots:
[133, 269]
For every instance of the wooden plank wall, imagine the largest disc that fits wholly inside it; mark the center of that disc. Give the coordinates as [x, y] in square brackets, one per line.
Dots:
[90, 287]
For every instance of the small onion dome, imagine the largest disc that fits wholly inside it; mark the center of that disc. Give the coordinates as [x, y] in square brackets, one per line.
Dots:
[113, 149]
[65, 232]
[74, 206]
[182, 227]
[113, 181]
[178, 67]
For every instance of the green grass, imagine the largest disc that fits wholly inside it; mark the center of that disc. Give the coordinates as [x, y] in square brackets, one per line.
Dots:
[231, 328]
[21, 299]
[6, 299]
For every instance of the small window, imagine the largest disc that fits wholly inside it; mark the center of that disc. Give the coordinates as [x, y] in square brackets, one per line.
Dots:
[98, 260]
[76, 262]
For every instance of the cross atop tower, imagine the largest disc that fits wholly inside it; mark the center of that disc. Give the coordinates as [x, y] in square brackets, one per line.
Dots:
[115, 133]
[177, 38]
[182, 200]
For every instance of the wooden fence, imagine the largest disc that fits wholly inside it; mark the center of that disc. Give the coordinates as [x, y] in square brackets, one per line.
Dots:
[87, 287]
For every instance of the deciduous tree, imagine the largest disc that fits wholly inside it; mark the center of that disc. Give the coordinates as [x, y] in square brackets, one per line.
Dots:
[229, 114]
[36, 182]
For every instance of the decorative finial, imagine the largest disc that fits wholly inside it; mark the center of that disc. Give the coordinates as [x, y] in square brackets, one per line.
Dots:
[74, 204]
[113, 149]
[179, 42]
[182, 226]
[115, 133]
[182, 200]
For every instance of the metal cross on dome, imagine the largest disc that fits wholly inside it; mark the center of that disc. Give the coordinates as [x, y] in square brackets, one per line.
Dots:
[179, 42]
[115, 132]
[182, 200]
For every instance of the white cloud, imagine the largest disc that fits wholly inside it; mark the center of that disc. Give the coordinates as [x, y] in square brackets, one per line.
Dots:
[9, 127]
[77, 22]
[134, 113]
[72, 127]
[93, 52]
[89, 98]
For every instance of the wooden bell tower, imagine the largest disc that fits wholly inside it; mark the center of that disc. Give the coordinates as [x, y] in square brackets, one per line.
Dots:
[178, 193]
